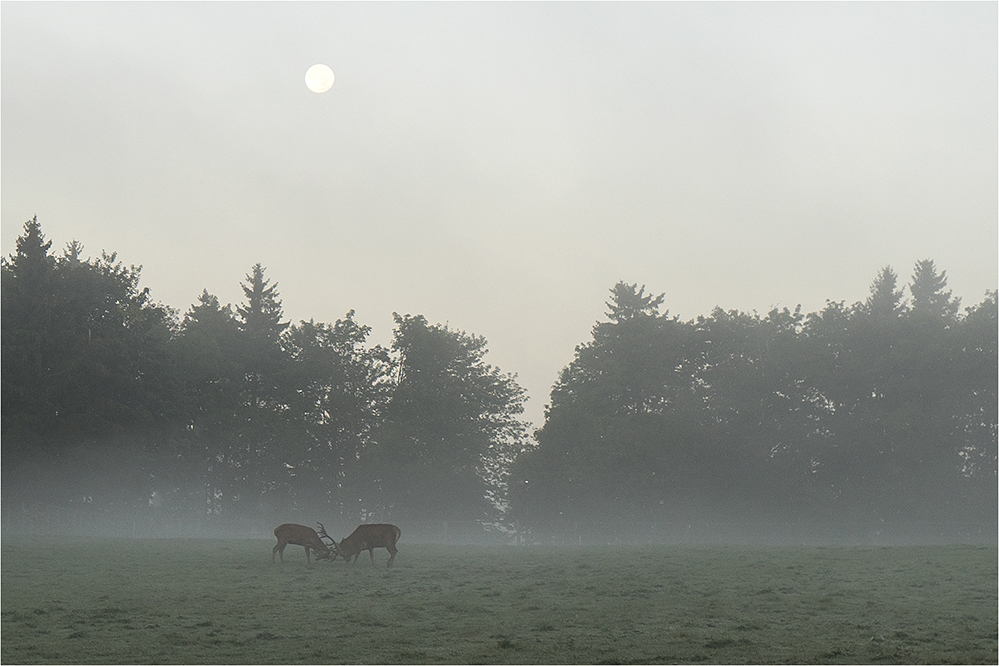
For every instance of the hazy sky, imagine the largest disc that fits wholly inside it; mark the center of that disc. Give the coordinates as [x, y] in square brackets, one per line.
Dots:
[500, 166]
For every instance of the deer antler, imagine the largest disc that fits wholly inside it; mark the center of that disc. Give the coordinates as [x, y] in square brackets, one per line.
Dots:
[323, 535]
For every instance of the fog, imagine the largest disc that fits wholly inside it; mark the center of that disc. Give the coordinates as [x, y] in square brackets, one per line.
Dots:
[500, 166]
[389, 301]
[77, 522]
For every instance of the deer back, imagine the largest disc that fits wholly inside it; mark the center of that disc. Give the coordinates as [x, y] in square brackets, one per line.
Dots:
[300, 535]
[366, 537]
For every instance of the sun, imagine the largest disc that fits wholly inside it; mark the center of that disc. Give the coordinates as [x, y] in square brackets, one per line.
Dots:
[319, 78]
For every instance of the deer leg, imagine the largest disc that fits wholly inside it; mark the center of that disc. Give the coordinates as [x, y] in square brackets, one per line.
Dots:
[371, 552]
[392, 550]
[279, 549]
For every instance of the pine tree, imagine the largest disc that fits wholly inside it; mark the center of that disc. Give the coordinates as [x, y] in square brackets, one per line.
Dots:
[885, 299]
[260, 317]
[28, 298]
[628, 301]
[31, 264]
[928, 295]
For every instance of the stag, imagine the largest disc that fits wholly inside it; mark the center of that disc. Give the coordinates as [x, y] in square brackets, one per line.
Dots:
[300, 535]
[369, 537]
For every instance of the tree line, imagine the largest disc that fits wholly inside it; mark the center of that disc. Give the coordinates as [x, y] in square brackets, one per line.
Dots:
[112, 399]
[880, 413]
[877, 416]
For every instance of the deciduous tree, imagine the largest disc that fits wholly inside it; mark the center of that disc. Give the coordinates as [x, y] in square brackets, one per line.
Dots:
[451, 427]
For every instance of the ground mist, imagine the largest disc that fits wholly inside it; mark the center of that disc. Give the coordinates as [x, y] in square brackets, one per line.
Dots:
[191, 601]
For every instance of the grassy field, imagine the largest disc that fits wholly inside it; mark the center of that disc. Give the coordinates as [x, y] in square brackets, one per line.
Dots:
[222, 601]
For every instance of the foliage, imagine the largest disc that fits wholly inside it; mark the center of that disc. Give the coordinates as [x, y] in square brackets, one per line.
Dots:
[880, 413]
[84, 349]
[450, 429]
[85, 362]
[233, 412]
[341, 392]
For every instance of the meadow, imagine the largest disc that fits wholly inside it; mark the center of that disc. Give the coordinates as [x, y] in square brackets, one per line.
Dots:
[193, 601]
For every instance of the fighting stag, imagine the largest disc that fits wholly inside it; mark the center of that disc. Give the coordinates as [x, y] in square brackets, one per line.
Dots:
[300, 535]
[369, 537]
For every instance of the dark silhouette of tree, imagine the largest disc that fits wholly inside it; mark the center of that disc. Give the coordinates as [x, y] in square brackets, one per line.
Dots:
[623, 428]
[208, 356]
[450, 429]
[84, 348]
[342, 390]
[886, 300]
[877, 415]
[628, 302]
[976, 431]
[260, 317]
[248, 470]
[29, 352]
[928, 295]
[873, 416]
[86, 371]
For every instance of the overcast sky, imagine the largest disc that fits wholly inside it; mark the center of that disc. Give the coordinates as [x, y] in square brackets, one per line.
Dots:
[500, 166]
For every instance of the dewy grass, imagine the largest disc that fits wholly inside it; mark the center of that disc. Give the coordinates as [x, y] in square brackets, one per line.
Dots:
[222, 601]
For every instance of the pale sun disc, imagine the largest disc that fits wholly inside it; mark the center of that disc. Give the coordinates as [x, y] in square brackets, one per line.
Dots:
[319, 78]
